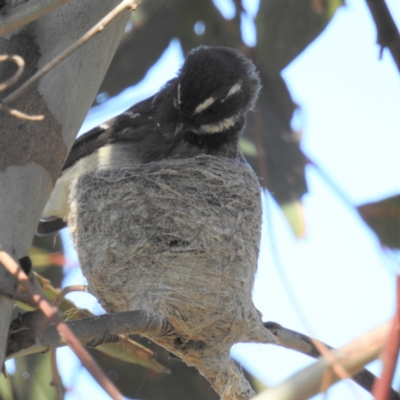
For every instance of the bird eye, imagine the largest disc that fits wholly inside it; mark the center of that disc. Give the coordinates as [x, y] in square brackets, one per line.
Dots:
[214, 108]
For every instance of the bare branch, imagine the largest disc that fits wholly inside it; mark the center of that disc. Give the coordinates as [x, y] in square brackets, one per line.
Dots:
[11, 81]
[69, 289]
[56, 382]
[353, 357]
[104, 329]
[390, 354]
[304, 344]
[26, 13]
[20, 114]
[52, 314]
[19, 61]
[124, 5]
[94, 331]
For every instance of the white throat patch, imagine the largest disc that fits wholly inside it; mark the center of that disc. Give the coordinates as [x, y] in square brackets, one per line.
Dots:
[220, 126]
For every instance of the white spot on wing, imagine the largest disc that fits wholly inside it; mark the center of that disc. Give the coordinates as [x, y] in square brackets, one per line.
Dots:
[116, 154]
[205, 104]
[57, 206]
[104, 126]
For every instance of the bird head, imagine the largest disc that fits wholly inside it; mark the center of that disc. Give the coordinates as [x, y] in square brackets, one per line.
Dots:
[215, 88]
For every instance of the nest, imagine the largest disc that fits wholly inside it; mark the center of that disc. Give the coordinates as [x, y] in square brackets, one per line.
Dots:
[178, 239]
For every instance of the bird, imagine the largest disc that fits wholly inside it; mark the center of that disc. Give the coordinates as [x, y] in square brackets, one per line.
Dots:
[200, 111]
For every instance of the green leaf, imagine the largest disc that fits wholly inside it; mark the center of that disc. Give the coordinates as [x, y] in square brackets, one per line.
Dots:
[247, 147]
[130, 351]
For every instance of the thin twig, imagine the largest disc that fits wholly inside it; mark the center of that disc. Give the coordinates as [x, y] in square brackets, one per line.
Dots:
[20, 16]
[307, 382]
[68, 289]
[11, 81]
[19, 61]
[304, 344]
[382, 386]
[52, 313]
[336, 366]
[56, 381]
[25, 297]
[99, 27]
[20, 114]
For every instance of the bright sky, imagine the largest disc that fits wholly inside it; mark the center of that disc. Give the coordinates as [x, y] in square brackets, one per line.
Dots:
[340, 277]
[350, 119]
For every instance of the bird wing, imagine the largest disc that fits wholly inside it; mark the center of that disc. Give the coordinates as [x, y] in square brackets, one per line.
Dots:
[112, 132]
[138, 137]
[133, 120]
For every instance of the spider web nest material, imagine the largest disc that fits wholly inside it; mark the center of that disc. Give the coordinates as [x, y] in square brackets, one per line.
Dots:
[178, 239]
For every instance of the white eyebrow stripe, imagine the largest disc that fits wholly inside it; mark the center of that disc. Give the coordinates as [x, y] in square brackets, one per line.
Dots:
[204, 105]
[220, 126]
[234, 89]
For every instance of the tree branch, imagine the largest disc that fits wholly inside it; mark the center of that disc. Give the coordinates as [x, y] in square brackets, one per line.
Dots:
[52, 314]
[99, 27]
[28, 171]
[20, 63]
[20, 115]
[390, 354]
[103, 329]
[69, 289]
[26, 13]
[304, 344]
[91, 332]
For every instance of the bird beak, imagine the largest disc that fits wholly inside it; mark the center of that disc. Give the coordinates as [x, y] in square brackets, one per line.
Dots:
[179, 129]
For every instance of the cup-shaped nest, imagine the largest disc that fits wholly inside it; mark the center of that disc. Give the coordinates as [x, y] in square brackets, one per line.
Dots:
[179, 239]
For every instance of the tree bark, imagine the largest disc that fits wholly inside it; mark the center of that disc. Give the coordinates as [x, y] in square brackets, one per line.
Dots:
[32, 153]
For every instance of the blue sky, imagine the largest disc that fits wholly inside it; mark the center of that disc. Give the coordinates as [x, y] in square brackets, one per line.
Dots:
[340, 278]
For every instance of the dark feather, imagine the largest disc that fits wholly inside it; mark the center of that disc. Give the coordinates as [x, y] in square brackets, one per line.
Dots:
[202, 111]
